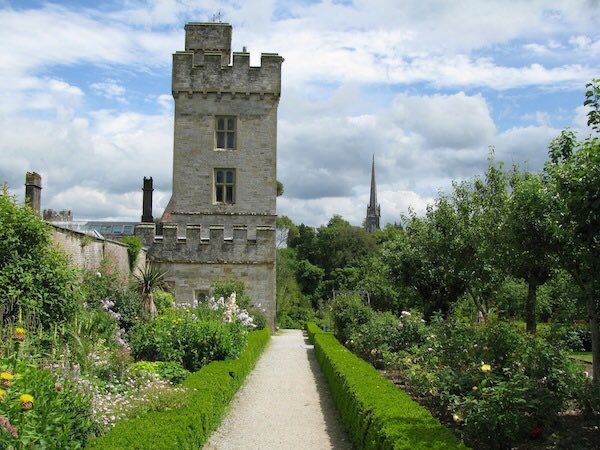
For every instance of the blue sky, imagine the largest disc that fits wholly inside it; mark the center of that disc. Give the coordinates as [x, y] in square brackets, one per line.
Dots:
[426, 86]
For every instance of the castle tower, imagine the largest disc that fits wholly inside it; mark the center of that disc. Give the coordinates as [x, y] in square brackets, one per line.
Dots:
[221, 219]
[373, 209]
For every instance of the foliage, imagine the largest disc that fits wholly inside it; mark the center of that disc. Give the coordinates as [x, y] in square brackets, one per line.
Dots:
[224, 288]
[498, 382]
[293, 307]
[385, 332]
[40, 410]
[185, 337]
[339, 244]
[106, 285]
[148, 281]
[375, 413]
[530, 237]
[163, 300]
[575, 178]
[589, 400]
[34, 278]
[134, 246]
[348, 312]
[170, 371]
[188, 425]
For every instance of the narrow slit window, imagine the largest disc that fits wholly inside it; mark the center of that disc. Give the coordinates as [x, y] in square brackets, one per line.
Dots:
[225, 132]
[225, 186]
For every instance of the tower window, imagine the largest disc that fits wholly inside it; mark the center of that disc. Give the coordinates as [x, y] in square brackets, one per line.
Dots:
[225, 186]
[225, 132]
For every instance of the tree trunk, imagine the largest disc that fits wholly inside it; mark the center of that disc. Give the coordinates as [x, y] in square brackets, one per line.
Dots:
[595, 328]
[530, 306]
[149, 305]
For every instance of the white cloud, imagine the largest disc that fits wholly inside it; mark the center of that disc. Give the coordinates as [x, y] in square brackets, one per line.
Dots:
[109, 89]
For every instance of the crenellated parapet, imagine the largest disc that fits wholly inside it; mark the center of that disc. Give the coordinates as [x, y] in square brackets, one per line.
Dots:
[209, 245]
[204, 67]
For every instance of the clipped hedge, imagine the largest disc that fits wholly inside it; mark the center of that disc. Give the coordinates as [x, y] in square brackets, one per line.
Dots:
[312, 329]
[376, 414]
[209, 392]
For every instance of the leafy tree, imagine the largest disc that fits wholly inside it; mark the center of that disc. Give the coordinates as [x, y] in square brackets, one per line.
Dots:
[34, 277]
[339, 244]
[481, 206]
[305, 243]
[287, 231]
[309, 276]
[529, 232]
[428, 257]
[575, 176]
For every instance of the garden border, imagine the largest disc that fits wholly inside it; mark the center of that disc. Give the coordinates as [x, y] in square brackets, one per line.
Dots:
[210, 391]
[376, 414]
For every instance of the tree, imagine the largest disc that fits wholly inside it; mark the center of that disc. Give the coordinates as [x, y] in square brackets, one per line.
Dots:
[529, 237]
[339, 244]
[575, 177]
[35, 278]
[428, 257]
[286, 231]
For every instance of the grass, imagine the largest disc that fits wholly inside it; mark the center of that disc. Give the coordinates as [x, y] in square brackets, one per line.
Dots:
[582, 356]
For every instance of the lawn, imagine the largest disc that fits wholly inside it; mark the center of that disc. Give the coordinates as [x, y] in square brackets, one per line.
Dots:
[583, 356]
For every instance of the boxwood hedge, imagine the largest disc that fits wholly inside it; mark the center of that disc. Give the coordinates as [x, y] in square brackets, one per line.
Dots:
[376, 414]
[209, 392]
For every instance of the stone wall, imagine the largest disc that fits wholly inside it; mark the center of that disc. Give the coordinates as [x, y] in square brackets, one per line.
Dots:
[88, 252]
[193, 262]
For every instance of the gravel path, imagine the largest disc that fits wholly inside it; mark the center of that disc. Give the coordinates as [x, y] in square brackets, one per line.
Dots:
[284, 404]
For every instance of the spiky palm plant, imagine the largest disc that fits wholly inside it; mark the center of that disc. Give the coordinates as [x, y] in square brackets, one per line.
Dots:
[148, 280]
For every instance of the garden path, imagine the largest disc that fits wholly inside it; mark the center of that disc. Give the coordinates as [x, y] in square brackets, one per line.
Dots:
[284, 404]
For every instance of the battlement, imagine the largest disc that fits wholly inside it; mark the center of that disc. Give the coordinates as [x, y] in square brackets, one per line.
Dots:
[208, 244]
[204, 65]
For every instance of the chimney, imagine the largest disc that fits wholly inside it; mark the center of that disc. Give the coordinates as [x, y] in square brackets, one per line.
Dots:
[33, 191]
[147, 202]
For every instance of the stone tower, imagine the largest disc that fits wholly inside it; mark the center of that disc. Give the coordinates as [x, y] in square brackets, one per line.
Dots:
[220, 222]
[373, 209]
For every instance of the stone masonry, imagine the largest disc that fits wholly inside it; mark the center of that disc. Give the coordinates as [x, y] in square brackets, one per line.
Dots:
[221, 219]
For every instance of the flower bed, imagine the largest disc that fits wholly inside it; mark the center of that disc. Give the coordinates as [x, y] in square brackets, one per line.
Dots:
[209, 392]
[376, 414]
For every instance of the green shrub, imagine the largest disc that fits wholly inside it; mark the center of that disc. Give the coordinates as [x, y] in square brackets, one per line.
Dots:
[34, 278]
[224, 288]
[182, 337]
[500, 382]
[589, 399]
[376, 414]
[209, 392]
[58, 417]
[385, 332]
[348, 312]
[171, 371]
[259, 320]
[163, 300]
[105, 284]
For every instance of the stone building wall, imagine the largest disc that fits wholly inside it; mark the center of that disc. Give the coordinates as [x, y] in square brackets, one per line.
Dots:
[88, 252]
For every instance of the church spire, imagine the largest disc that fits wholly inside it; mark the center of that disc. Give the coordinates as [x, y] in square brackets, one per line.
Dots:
[373, 210]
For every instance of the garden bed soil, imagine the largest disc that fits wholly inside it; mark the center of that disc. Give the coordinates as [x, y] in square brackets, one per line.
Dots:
[574, 431]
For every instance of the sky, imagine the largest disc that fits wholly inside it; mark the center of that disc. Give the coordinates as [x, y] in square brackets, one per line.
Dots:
[427, 87]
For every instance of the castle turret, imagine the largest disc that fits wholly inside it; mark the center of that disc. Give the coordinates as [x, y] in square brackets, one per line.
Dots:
[224, 169]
